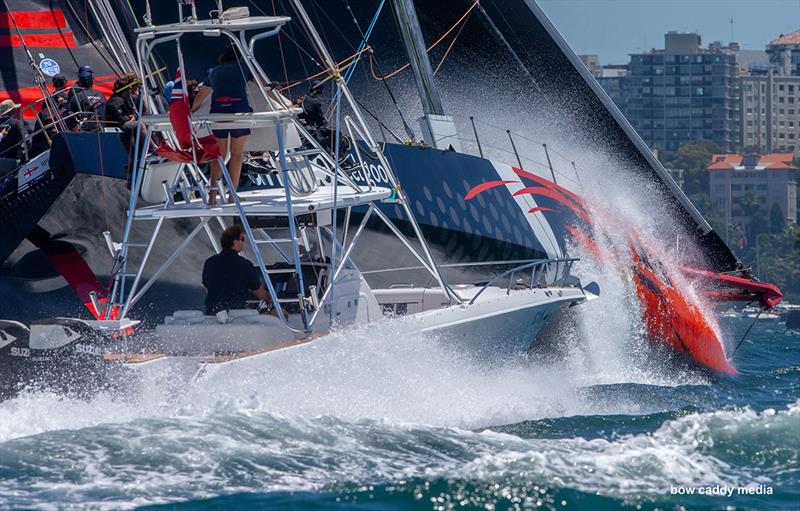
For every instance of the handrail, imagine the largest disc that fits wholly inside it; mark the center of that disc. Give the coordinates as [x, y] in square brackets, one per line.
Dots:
[454, 265]
[519, 154]
[517, 269]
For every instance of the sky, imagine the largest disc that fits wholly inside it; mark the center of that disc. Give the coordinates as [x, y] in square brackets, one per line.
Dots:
[612, 29]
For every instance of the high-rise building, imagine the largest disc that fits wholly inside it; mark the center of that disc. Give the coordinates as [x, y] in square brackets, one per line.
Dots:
[684, 93]
[784, 53]
[770, 112]
[613, 78]
[738, 182]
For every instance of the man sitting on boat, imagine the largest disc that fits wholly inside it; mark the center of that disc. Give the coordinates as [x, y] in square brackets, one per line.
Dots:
[13, 133]
[87, 101]
[122, 109]
[230, 279]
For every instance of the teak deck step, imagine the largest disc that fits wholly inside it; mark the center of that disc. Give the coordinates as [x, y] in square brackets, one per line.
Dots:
[218, 359]
[132, 358]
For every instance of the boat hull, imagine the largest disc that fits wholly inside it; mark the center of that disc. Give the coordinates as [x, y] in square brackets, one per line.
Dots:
[498, 328]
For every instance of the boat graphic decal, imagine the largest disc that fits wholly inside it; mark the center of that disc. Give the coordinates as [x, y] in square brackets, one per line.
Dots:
[485, 186]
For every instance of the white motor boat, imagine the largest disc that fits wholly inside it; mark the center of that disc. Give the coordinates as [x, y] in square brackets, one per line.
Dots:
[760, 314]
[310, 271]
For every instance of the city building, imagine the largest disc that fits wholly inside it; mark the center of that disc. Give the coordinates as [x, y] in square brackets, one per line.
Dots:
[592, 63]
[784, 53]
[752, 61]
[684, 93]
[613, 78]
[770, 106]
[737, 181]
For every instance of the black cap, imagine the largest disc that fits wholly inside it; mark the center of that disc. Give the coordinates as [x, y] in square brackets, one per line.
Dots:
[59, 81]
[85, 74]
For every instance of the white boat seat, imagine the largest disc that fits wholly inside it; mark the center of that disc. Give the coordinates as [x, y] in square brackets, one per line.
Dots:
[152, 190]
[231, 317]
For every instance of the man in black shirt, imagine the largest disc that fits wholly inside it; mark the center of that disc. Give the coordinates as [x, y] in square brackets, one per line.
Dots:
[314, 107]
[89, 102]
[230, 279]
[122, 109]
[12, 132]
[57, 107]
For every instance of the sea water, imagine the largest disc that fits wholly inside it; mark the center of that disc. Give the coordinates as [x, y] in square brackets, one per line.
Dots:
[380, 420]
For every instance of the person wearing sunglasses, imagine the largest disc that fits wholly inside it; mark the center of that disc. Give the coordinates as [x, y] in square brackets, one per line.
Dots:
[230, 279]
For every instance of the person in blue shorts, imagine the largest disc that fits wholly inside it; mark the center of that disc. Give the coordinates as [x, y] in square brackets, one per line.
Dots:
[227, 85]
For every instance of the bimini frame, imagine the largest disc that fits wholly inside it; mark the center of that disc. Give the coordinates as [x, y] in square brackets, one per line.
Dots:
[194, 187]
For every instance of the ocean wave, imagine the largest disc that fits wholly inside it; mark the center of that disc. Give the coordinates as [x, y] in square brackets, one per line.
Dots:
[381, 372]
[161, 460]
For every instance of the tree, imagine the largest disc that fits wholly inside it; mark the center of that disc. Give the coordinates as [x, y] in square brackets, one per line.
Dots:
[777, 220]
[694, 158]
[758, 225]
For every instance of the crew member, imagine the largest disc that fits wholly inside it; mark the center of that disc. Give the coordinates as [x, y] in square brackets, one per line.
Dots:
[313, 107]
[122, 108]
[87, 101]
[60, 85]
[51, 110]
[230, 279]
[12, 133]
[227, 85]
[313, 117]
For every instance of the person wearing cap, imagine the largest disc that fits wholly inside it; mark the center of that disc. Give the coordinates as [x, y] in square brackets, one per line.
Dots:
[313, 108]
[50, 111]
[85, 100]
[122, 108]
[13, 132]
[227, 85]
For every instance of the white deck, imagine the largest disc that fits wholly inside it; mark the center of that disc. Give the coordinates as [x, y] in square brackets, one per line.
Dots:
[210, 26]
[269, 202]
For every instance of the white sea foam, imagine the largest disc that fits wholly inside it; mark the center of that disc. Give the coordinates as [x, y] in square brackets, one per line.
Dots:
[159, 460]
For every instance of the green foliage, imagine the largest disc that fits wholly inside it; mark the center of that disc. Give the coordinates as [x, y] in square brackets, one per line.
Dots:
[694, 158]
[758, 225]
[776, 258]
[771, 248]
[777, 220]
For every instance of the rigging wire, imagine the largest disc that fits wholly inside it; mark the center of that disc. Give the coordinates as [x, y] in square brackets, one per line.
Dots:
[365, 37]
[449, 48]
[334, 24]
[37, 72]
[322, 31]
[294, 41]
[739, 344]
[66, 46]
[280, 48]
[382, 78]
[434, 45]
[92, 41]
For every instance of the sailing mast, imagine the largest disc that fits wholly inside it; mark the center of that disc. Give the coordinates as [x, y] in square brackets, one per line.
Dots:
[438, 129]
